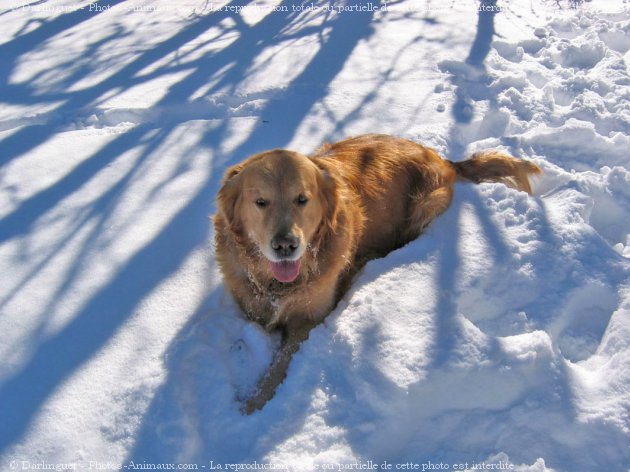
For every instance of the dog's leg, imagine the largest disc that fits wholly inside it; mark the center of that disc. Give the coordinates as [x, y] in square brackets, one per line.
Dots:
[425, 208]
[300, 314]
[293, 336]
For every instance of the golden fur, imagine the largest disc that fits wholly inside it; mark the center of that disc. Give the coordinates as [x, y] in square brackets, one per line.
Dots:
[312, 222]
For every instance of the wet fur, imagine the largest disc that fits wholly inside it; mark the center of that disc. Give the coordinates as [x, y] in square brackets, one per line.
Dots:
[369, 195]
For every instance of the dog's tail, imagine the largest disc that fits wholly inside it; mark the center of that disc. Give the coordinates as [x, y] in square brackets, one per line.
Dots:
[494, 166]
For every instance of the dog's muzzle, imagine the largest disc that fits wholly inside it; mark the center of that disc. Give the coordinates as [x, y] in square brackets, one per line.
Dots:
[284, 245]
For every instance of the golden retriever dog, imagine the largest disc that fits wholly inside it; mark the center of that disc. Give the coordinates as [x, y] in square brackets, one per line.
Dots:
[292, 230]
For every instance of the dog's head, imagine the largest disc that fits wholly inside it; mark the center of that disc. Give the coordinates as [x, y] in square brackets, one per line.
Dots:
[281, 201]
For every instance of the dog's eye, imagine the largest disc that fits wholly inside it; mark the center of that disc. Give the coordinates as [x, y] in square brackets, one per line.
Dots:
[261, 203]
[302, 200]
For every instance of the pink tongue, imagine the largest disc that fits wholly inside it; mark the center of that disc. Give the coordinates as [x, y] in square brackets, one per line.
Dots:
[285, 271]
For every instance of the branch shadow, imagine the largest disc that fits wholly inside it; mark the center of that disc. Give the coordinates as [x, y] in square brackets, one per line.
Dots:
[29, 137]
[463, 108]
[58, 357]
[462, 112]
[22, 218]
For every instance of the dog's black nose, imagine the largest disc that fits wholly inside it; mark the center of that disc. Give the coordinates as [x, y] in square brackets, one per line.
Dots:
[284, 244]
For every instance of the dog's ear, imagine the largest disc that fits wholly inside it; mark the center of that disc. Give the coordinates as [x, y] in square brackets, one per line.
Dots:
[329, 195]
[229, 193]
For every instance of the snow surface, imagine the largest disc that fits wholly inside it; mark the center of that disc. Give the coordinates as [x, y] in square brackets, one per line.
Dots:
[500, 338]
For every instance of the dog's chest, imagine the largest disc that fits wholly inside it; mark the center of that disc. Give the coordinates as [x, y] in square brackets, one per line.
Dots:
[268, 302]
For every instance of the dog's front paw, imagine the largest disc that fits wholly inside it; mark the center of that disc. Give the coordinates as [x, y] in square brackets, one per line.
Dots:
[276, 374]
[267, 385]
[254, 403]
[265, 390]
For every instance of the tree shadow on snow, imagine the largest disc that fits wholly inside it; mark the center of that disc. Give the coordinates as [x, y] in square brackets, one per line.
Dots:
[463, 107]
[180, 422]
[55, 359]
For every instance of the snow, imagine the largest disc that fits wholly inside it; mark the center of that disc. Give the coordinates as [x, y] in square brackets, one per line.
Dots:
[499, 339]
